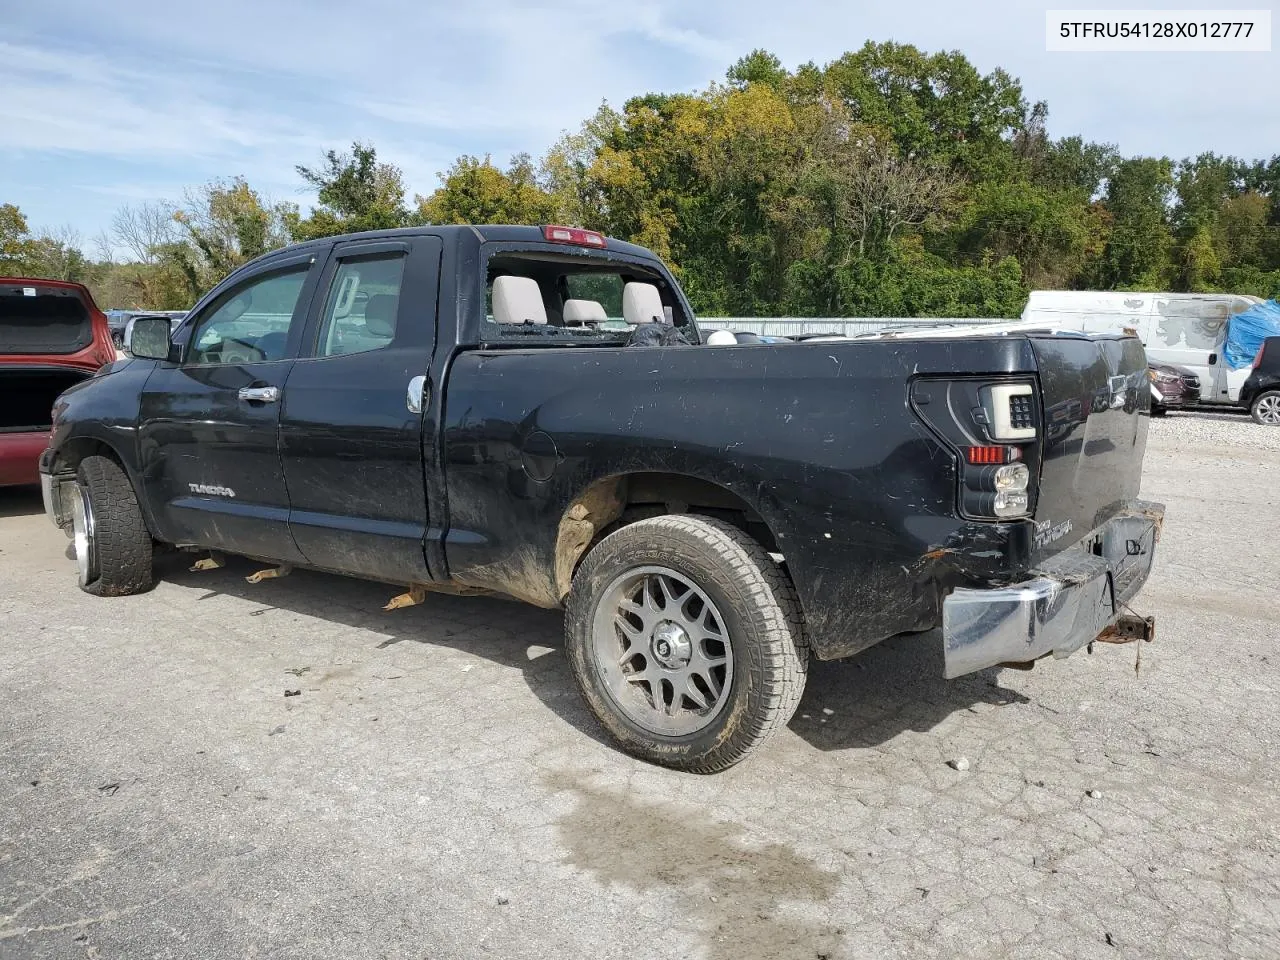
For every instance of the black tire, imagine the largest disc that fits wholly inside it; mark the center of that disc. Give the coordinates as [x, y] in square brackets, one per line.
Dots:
[120, 545]
[755, 600]
[1265, 408]
[1158, 410]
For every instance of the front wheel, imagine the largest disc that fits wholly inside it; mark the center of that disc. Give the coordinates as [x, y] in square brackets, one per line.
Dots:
[1266, 409]
[112, 546]
[687, 641]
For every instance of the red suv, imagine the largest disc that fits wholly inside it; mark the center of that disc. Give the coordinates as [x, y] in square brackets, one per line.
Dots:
[52, 335]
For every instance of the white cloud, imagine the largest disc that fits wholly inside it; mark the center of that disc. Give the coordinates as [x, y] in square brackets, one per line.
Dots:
[134, 97]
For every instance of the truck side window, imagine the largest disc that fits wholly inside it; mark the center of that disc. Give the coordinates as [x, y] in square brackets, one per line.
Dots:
[360, 311]
[250, 324]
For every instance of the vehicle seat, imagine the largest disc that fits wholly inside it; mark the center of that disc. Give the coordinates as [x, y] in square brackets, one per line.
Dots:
[518, 300]
[271, 345]
[578, 313]
[642, 303]
[380, 315]
[720, 338]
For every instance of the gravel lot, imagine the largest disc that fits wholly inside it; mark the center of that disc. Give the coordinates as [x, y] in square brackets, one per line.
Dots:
[436, 789]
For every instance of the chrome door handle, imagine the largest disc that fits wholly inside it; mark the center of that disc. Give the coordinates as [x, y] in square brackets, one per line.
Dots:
[416, 395]
[260, 394]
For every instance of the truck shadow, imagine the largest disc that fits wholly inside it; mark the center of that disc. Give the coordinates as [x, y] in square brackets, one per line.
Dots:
[848, 704]
[20, 502]
[895, 686]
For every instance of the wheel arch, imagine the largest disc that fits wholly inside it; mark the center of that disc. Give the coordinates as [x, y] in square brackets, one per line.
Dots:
[611, 502]
[65, 460]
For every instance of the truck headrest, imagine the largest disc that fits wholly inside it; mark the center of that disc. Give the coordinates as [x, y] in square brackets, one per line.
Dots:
[380, 314]
[518, 300]
[578, 312]
[642, 303]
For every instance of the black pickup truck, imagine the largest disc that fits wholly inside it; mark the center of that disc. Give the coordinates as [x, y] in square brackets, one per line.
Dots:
[533, 412]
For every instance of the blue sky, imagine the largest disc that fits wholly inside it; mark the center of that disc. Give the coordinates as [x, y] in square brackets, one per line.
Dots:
[108, 104]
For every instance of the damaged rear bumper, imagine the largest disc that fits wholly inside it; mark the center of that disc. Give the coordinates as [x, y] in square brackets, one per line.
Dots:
[1071, 599]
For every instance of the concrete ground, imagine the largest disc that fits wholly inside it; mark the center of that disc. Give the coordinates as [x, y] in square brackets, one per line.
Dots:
[436, 788]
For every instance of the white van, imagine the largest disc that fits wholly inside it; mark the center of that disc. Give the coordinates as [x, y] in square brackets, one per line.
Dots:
[1187, 329]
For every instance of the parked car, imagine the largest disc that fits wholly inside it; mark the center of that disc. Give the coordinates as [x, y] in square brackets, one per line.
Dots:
[443, 408]
[1260, 394]
[1172, 387]
[52, 336]
[1185, 329]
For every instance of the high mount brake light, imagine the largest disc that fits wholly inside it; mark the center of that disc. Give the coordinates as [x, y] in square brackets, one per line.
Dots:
[574, 235]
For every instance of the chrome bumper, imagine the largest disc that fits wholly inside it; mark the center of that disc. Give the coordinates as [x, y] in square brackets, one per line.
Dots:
[1071, 599]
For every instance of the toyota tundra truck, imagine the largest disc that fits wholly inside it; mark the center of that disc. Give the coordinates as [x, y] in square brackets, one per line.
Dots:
[532, 411]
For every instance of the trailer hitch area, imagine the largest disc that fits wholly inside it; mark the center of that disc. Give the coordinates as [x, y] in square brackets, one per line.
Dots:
[1129, 628]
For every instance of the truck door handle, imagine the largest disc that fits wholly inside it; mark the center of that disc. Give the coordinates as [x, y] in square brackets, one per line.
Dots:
[260, 394]
[416, 395]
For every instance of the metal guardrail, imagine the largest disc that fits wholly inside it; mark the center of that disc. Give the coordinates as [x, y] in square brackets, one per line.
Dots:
[848, 326]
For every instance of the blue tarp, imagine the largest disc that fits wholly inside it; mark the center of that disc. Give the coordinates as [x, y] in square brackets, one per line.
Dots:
[1246, 332]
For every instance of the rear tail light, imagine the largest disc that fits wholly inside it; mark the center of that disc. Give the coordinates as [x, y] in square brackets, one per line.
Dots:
[1011, 504]
[995, 428]
[1257, 360]
[1010, 410]
[1012, 478]
[574, 235]
[982, 456]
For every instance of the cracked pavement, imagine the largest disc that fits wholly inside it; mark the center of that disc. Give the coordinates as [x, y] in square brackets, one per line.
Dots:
[437, 789]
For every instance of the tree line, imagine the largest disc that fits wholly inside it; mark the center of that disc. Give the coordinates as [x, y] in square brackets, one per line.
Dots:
[889, 182]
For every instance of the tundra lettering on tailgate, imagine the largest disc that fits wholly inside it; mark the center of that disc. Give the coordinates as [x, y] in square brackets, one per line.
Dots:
[1047, 533]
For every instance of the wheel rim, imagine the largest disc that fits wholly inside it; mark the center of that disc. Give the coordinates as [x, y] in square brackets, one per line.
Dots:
[1269, 410]
[82, 537]
[662, 648]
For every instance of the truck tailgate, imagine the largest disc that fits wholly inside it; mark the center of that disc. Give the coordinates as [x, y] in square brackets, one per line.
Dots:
[1096, 403]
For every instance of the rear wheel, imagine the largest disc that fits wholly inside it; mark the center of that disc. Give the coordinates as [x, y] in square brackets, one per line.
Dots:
[112, 546]
[687, 641]
[1266, 409]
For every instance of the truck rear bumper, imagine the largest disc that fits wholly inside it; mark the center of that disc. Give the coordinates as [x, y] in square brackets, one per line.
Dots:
[1070, 600]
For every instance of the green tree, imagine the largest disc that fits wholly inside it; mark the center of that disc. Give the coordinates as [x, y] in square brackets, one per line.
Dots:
[1137, 250]
[355, 192]
[759, 66]
[224, 224]
[15, 241]
[475, 191]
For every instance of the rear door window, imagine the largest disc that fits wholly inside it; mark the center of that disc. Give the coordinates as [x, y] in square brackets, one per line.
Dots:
[361, 311]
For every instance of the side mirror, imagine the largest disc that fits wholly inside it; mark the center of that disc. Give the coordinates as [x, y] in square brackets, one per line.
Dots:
[148, 338]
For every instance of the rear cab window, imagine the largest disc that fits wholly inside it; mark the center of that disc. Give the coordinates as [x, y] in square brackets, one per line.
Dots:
[581, 299]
